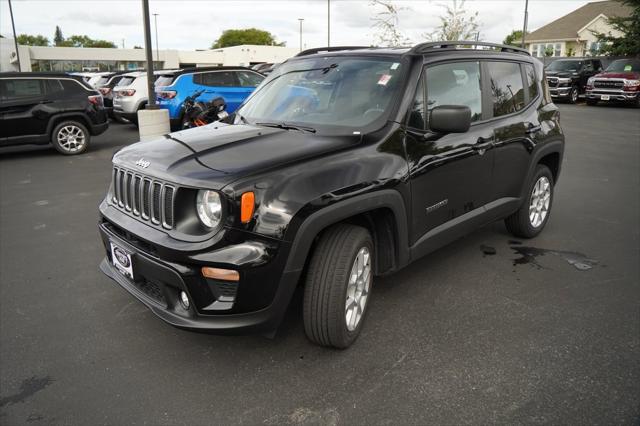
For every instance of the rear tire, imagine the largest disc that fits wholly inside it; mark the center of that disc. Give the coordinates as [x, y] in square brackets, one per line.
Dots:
[70, 137]
[338, 286]
[573, 95]
[534, 213]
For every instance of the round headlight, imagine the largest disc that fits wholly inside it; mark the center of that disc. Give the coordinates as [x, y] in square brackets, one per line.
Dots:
[209, 208]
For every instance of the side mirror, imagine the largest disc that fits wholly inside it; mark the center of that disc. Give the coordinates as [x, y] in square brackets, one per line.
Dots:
[450, 119]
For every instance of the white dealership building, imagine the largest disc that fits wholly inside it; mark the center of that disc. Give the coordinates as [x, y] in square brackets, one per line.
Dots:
[35, 58]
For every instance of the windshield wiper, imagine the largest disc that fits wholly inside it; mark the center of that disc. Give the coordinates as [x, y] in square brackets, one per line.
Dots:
[287, 126]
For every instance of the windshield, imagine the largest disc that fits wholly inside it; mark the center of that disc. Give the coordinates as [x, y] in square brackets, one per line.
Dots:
[624, 65]
[565, 66]
[330, 94]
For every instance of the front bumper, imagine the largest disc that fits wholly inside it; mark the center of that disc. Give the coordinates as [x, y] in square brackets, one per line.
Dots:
[257, 303]
[559, 92]
[612, 95]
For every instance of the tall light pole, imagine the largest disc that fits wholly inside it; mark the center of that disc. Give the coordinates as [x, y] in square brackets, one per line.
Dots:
[15, 38]
[526, 18]
[155, 20]
[151, 94]
[301, 19]
[328, 23]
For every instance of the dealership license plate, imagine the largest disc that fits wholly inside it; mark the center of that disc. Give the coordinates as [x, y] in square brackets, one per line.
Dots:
[604, 97]
[122, 260]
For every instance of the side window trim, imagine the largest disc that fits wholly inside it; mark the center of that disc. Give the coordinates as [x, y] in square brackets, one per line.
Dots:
[407, 115]
[485, 87]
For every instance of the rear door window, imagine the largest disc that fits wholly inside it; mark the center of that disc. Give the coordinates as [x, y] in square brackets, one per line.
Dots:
[507, 90]
[21, 88]
[456, 83]
[216, 79]
[249, 79]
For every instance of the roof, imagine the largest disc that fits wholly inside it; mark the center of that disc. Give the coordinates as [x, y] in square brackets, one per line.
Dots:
[568, 26]
[28, 74]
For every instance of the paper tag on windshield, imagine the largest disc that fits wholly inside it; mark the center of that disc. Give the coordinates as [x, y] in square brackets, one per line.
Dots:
[395, 65]
[384, 79]
[627, 67]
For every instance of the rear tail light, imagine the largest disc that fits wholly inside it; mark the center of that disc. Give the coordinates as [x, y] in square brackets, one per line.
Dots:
[128, 92]
[96, 100]
[105, 90]
[167, 94]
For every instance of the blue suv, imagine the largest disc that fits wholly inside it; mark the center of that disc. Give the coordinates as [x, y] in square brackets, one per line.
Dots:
[233, 84]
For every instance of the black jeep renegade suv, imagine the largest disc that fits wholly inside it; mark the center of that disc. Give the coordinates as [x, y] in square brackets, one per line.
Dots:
[344, 164]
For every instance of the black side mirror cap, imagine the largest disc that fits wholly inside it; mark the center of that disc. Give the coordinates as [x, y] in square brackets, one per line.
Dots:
[450, 119]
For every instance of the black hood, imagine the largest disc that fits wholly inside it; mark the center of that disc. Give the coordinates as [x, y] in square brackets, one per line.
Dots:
[217, 154]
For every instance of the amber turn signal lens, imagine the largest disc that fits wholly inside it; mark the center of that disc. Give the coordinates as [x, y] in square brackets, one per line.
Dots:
[247, 204]
[220, 274]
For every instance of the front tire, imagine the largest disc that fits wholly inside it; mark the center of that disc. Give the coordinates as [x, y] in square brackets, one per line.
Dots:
[338, 286]
[534, 213]
[70, 138]
[573, 95]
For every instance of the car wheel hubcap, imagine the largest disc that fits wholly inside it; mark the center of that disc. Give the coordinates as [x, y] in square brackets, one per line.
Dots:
[574, 95]
[358, 288]
[71, 138]
[540, 200]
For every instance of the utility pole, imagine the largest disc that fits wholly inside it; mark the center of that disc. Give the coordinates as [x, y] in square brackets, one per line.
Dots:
[301, 19]
[526, 18]
[123, 43]
[15, 38]
[328, 23]
[151, 103]
[155, 19]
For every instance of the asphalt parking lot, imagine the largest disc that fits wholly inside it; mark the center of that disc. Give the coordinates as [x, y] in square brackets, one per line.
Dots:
[486, 330]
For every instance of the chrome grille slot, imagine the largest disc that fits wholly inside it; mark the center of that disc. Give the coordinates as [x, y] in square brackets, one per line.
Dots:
[147, 198]
[167, 209]
[156, 211]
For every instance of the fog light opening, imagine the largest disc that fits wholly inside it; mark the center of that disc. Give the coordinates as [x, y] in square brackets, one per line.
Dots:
[184, 300]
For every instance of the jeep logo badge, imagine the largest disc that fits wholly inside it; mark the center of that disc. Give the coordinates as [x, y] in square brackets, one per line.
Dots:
[121, 256]
[143, 163]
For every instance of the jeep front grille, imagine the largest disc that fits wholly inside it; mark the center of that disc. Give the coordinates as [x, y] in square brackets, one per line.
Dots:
[144, 197]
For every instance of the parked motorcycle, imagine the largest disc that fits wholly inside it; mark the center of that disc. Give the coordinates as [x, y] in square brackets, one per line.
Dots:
[197, 113]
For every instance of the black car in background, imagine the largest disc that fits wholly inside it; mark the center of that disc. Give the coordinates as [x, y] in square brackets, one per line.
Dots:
[567, 78]
[105, 85]
[42, 108]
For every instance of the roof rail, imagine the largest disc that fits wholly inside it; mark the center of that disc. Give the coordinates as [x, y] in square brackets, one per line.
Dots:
[330, 49]
[452, 45]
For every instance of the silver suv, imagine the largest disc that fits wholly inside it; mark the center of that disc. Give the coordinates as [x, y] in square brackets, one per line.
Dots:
[130, 94]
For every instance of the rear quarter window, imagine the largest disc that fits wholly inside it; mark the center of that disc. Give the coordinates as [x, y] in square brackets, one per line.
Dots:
[164, 80]
[73, 87]
[249, 79]
[216, 79]
[126, 81]
[532, 81]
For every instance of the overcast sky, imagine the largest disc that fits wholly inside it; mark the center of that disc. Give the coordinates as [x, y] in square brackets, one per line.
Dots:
[195, 24]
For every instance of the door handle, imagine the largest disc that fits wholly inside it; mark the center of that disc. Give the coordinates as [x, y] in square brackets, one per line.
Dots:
[533, 129]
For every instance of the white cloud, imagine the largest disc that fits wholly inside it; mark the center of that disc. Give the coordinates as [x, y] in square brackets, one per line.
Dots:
[191, 24]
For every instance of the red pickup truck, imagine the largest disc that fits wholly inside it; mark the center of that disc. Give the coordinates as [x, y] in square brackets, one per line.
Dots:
[619, 82]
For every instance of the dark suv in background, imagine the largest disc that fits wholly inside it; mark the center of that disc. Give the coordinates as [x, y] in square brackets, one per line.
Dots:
[105, 86]
[345, 164]
[42, 108]
[567, 78]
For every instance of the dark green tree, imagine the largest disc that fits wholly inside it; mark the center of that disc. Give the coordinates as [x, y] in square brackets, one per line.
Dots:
[58, 38]
[32, 40]
[246, 36]
[629, 43]
[514, 39]
[86, 41]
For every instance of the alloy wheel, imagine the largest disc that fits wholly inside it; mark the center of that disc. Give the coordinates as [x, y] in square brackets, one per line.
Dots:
[358, 288]
[71, 138]
[540, 201]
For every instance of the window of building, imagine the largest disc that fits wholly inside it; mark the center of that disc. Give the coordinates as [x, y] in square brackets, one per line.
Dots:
[457, 83]
[557, 51]
[507, 90]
